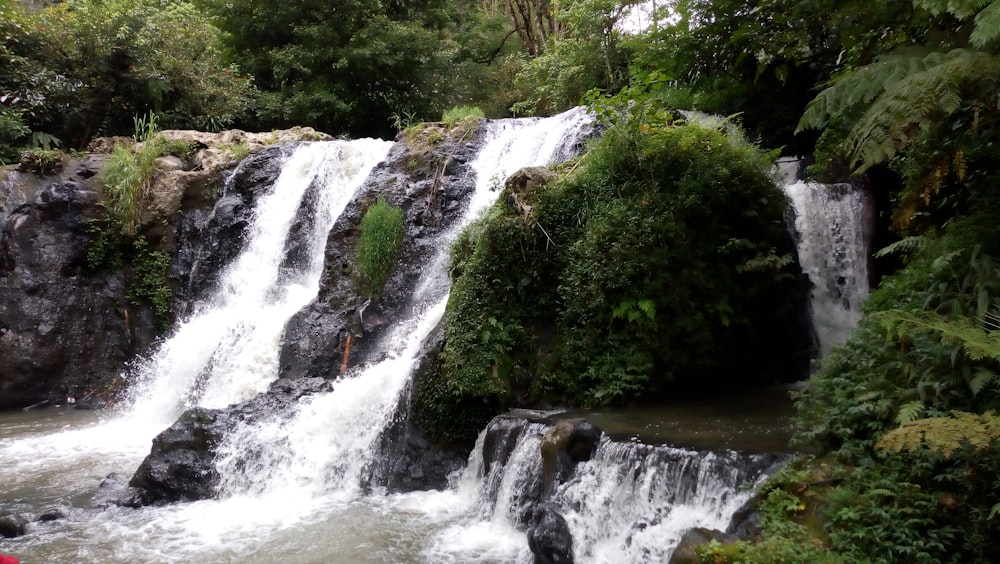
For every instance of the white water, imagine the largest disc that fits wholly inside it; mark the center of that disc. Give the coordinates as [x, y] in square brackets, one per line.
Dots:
[630, 503]
[228, 350]
[831, 234]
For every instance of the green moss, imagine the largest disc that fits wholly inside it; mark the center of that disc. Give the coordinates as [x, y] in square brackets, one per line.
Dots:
[619, 281]
[378, 245]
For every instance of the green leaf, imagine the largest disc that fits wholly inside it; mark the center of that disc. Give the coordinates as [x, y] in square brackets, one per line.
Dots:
[909, 412]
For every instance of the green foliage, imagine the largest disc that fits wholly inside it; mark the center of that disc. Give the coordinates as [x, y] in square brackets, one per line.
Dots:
[126, 177]
[460, 113]
[790, 506]
[144, 127]
[378, 245]
[902, 96]
[451, 413]
[146, 269]
[944, 435]
[910, 401]
[41, 161]
[617, 282]
[345, 67]
[12, 133]
[585, 51]
[84, 67]
[238, 151]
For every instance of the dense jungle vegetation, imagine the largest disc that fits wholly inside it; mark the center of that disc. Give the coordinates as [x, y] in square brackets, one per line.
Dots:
[901, 95]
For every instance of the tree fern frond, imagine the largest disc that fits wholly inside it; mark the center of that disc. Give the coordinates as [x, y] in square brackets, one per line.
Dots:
[904, 246]
[981, 380]
[961, 9]
[909, 412]
[907, 105]
[860, 88]
[977, 341]
[944, 435]
[987, 28]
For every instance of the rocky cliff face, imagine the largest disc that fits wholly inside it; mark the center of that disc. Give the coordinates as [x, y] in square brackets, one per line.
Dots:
[67, 331]
[64, 332]
[427, 175]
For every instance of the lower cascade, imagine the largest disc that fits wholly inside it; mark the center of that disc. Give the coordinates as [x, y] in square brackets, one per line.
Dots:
[296, 478]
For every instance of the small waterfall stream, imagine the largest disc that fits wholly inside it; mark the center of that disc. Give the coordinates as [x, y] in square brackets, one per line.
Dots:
[832, 232]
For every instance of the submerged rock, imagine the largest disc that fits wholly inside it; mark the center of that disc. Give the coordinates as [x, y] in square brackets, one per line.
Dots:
[549, 537]
[13, 525]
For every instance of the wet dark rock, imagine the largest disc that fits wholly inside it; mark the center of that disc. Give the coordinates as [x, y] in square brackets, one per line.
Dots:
[564, 445]
[52, 514]
[745, 522]
[430, 184]
[51, 307]
[181, 464]
[687, 550]
[549, 537]
[407, 460]
[208, 237]
[13, 525]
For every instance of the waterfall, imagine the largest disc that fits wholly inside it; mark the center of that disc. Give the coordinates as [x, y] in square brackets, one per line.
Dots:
[228, 350]
[328, 443]
[631, 502]
[831, 231]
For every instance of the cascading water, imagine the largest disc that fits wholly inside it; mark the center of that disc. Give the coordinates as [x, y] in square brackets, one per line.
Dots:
[228, 350]
[631, 502]
[329, 442]
[831, 228]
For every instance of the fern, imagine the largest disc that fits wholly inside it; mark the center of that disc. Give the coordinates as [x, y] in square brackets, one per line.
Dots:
[944, 435]
[904, 94]
[905, 246]
[986, 28]
[978, 342]
[909, 412]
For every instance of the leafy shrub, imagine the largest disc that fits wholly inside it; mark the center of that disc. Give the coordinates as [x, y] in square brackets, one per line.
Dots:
[82, 68]
[41, 161]
[13, 131]
[126, 177]
[378, 245]
[621, 280]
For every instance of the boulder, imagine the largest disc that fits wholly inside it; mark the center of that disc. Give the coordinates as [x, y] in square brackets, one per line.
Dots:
[549, 537]
[13, 525]
[564, 445]
[181, 463]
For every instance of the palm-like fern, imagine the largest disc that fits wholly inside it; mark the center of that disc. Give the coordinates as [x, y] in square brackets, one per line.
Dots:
[907, 92]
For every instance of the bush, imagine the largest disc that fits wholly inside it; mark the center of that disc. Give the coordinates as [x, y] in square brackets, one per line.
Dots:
[83, 68]
[626, 279]
[378, 245]
[41, 161]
